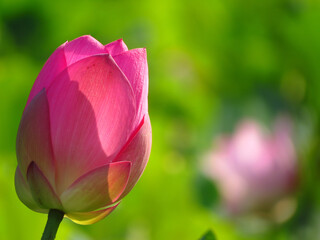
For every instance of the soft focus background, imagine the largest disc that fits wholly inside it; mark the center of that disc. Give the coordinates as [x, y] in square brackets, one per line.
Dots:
[211, 64]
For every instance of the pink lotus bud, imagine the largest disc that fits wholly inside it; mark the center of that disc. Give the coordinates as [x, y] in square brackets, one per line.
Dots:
[254, 169]
[85, 135]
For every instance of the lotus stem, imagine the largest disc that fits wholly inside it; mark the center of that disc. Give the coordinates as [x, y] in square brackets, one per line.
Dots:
[54, 219]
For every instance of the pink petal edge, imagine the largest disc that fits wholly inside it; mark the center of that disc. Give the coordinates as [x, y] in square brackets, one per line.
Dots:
[116, 47]
[134, 65]
[82, 47]
[54, 65]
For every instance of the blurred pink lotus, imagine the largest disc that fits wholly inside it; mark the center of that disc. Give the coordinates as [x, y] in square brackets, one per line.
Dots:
[254, 169]
[85, 135]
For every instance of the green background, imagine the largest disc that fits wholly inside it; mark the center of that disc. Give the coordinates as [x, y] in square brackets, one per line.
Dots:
[211, 62]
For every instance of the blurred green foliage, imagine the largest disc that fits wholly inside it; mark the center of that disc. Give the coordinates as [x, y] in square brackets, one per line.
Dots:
[208, 236]
[211, 62]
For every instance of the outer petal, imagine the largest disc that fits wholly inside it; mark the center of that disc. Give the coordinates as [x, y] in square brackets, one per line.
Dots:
[34, 139]
[134, 65]
[86, 218]
[96, 189]
[54, 65]
[41, 190]
[82, 47]
[116, 47]
[24, 193]
[62, 57]
[92, 108]
[137, 151]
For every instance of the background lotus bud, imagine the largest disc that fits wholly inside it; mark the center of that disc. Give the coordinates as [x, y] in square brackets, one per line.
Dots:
[254, 169]
[85, 136]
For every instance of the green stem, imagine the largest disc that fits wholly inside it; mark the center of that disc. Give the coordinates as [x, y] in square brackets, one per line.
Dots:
[54, 219]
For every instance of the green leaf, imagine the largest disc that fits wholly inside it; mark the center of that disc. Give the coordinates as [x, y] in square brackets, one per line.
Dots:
[209, 235]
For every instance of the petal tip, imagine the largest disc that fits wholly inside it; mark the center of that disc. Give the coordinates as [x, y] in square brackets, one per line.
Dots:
[31, 169]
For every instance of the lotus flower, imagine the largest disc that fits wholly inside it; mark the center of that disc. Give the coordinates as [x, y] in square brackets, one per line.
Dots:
[253, 169]
[85, 135]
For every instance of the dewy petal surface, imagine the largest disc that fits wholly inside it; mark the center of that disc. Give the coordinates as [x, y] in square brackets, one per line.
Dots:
[82, 47]
[92, 108]
[54, 65]
[86, 218]
[116, 47]
[41, 190]
[96, 189]
[137, 151]
[34, 139]
[134, 65]
[24, 192]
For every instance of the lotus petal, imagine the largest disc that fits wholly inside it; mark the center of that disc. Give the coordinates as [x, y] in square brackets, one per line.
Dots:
[134, 65]
[98, 188]
[82, 47]
[24, 192]
[86, 218]
[34, 138]
[54, 65]
[116, 47]
[41, 190]
[137, 151]
[92, 108]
